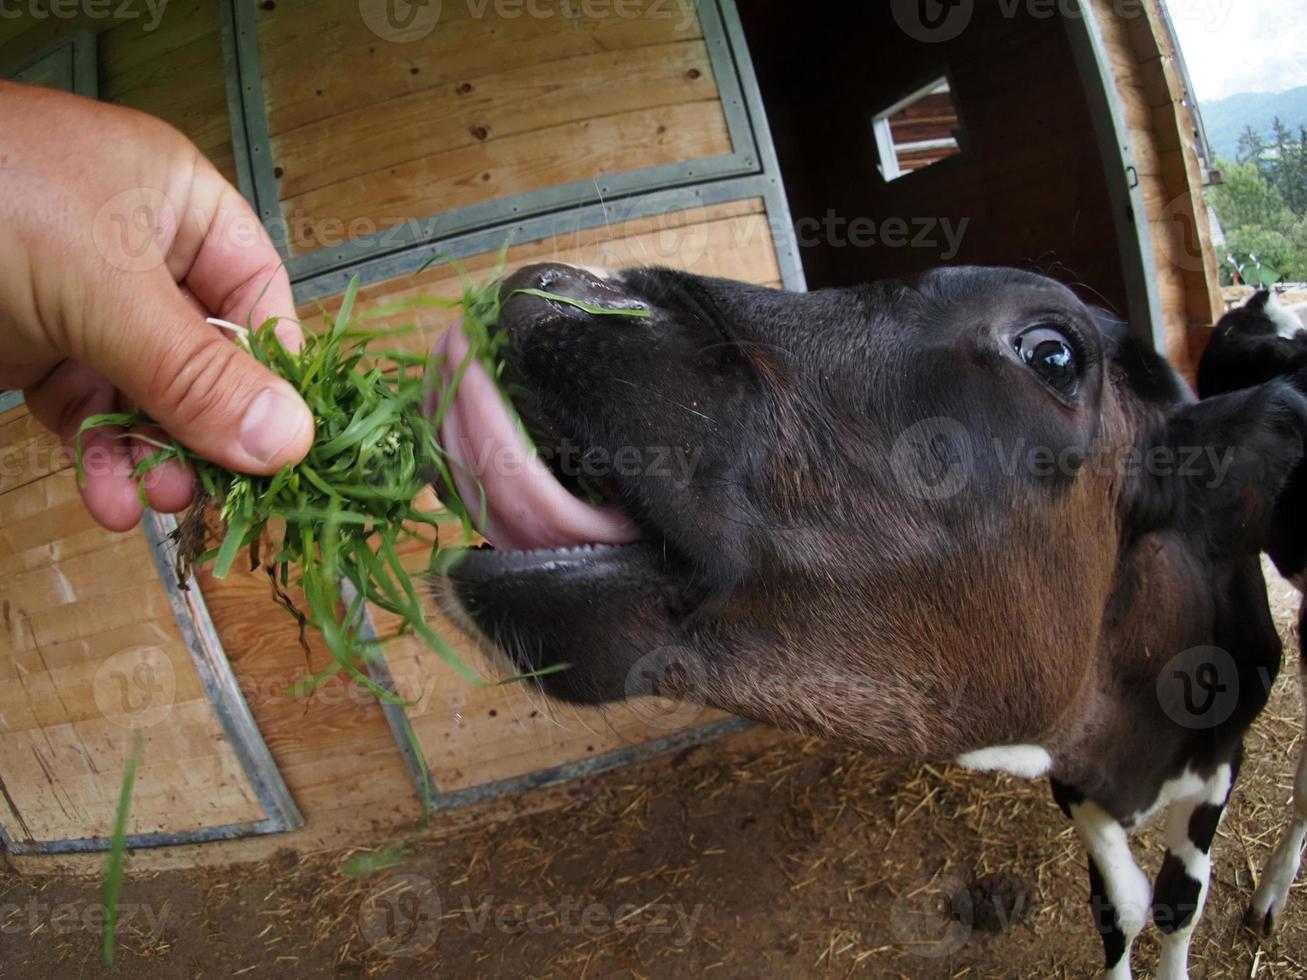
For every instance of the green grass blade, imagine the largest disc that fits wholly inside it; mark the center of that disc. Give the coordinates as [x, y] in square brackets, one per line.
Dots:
[580, 304]
[231, 546]
[346, 308]
[113, 873]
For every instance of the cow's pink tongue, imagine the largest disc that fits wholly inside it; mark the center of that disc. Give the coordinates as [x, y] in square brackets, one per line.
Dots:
[524, 504]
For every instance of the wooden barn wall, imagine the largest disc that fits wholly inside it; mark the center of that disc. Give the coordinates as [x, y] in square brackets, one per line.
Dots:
[169, 64]
[1028, 190]
[1162, 136]
[495, 101]
[362, 130]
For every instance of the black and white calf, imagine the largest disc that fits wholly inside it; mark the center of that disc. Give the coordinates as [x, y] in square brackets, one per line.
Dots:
[958, 516]
[1256, 343]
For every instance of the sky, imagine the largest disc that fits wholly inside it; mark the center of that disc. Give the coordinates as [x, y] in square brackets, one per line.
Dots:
[1235, 46]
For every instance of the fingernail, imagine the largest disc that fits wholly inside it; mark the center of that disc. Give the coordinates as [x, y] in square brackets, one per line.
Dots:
[272, 422]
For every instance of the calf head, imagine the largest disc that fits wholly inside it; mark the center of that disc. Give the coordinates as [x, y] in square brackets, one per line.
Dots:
[924, 515]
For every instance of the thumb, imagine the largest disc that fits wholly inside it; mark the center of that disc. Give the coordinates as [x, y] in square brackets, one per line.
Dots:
[200, 386]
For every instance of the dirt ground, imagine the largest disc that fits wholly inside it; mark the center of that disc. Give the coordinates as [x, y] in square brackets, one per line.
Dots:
[798, 860]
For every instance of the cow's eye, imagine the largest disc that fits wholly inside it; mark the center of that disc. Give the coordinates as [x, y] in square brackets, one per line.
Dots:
[1047, 351]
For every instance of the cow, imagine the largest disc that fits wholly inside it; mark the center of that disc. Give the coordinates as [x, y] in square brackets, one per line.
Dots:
[1253, 344]
[959, 516]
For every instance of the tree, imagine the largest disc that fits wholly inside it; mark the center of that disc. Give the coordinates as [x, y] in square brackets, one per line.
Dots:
[1287, 168]
[1251, 147]
[1282, 162]
[1247, 198]
[1257, 221]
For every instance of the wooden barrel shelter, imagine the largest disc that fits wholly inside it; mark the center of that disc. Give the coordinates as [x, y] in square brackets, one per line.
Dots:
[372, 135]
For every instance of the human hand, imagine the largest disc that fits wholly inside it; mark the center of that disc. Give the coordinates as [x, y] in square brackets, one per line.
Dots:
[117, 240]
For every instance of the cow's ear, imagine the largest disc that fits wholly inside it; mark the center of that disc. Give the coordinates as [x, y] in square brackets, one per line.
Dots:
[1215, 469]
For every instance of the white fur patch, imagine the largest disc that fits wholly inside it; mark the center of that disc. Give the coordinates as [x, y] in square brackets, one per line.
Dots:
[1128, 888]
[1027, 761]
[1187, 784]
[1174, 961]
[1287, 323]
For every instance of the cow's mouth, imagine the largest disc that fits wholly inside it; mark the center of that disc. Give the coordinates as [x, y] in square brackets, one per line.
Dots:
[569, 574]
[524, 493]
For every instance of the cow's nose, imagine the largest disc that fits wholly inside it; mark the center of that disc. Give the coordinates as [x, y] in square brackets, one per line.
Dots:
[569, 282]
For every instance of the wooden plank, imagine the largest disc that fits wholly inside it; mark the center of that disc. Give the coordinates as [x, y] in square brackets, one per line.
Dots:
[1175, 328]
[182, 785]
[93, 574]
[92, 648]
[86, 688]
[15, 413]
[1166, 126]
[1135, 109]
[1161, 81]
[1148, 159]
[89, 651]
[731, 240]
[28, 451]
[347, 66]
[130, 51]
[509, 103]
[1171, 293]
[49, 538]
[514, 165]
[332, 746]
[1144, 28]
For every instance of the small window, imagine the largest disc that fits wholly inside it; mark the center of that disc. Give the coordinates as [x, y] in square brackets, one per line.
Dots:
[918, 131]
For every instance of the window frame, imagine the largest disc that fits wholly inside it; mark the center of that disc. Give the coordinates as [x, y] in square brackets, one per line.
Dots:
[887, 155]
